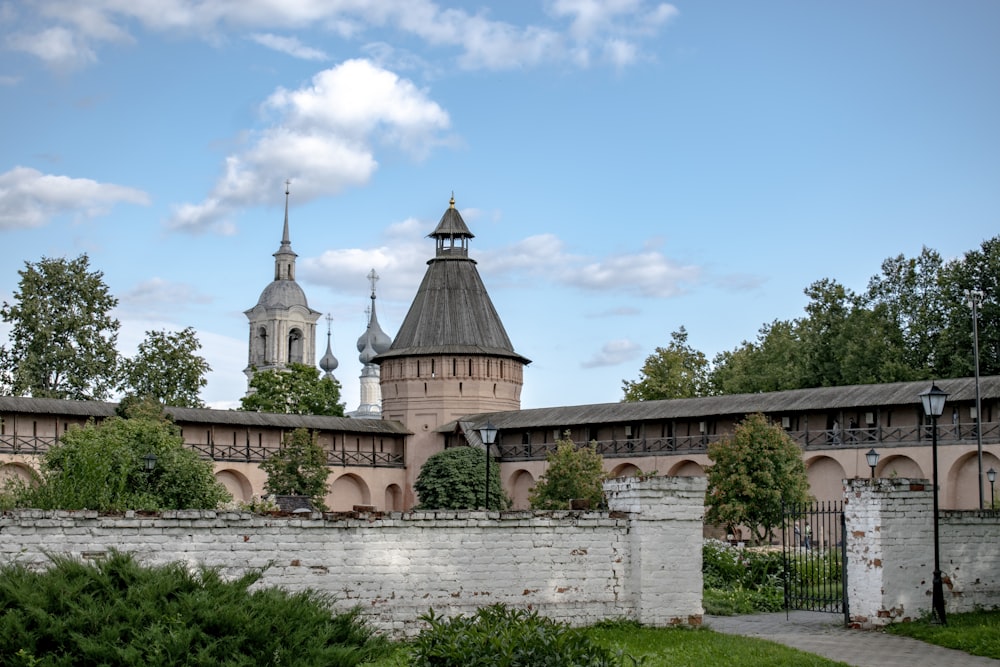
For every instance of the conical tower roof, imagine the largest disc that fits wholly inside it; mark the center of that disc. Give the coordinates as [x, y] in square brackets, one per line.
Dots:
[452, 313]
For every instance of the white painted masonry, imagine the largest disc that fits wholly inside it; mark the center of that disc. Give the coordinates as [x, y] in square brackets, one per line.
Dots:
[640, 560]
[890, 553]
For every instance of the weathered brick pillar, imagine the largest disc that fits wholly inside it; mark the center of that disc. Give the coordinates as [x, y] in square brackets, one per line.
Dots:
[890, 550]
[665, 532]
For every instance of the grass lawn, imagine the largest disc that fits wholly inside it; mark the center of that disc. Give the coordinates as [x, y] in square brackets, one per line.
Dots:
[680, 647]
[977, 633]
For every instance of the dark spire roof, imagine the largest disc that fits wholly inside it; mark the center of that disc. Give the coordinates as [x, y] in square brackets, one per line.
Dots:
[452, 313]
[283, 291]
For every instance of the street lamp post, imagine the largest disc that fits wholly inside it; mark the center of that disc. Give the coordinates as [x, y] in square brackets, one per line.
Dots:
[975, 299]
[933, 401]
[991, 475]
[488, 434]
[872, 456]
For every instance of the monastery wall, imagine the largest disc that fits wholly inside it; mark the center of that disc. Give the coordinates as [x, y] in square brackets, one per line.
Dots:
[640, 560]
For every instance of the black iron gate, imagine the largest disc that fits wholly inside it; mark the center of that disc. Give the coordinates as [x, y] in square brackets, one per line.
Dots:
[815, 557]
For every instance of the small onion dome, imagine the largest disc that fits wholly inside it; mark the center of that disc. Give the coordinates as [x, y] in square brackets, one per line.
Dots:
[368, 353]
[329, 362]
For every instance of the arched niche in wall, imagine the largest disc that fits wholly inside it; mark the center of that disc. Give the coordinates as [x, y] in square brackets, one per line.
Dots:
[347, 491]
[687, 468]
[625, 470]
[826, 477]
[519, 485]
[393, 497]
[236, 483]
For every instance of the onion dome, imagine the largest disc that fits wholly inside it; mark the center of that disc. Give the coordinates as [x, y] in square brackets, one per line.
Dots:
[329, 362]
[373, 336]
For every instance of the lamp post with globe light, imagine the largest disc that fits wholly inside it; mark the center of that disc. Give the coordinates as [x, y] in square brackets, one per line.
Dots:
[933, 401]
[488, 434]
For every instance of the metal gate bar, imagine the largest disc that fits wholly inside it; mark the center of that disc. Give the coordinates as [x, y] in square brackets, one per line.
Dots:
[815, 554]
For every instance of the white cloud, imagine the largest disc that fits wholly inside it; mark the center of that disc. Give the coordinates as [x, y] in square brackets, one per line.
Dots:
[578, 27]
[324, 140]
[57, 46]
[288, 45]
[160, 298]
[612, 353]
[649, 272]
[29, 198]
[400, 262]
[6, 80]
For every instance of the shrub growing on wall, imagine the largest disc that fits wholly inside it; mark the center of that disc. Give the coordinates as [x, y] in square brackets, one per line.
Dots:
[456, 479]
[103, 467]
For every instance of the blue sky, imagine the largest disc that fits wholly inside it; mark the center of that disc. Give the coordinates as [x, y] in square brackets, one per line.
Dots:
[628, 167]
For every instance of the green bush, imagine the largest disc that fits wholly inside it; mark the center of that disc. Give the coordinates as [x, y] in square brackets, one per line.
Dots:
[741, 581]
[101, 467]
[455, 479]
[572, 473]
[117, 612]
[498, 636]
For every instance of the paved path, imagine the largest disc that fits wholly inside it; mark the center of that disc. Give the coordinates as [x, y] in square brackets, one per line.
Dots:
[825, 635]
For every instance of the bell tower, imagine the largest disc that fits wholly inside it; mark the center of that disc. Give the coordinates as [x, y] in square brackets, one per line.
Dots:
[282, 325]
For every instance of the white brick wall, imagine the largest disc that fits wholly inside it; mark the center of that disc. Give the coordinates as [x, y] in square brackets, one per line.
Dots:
[890, 553]
[571, 566]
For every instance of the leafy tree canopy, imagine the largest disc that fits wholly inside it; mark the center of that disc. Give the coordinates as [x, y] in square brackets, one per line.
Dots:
[914, 322]
[752, 474]
[102, 466]
[297, 390]
[675, 371]
[455, 479]
[168, 368]
[573, 473]
[299, 468]
[62, 338]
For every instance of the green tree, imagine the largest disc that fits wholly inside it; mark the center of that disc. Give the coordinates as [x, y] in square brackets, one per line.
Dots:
[168, 368]
[910, 292]
[675, 371]
[62, 338]
[297, 390]
[455, 479]
[103, 467]
[573, 473]
[752, 474]
[299, 468]
[771, 363]
[977, 269]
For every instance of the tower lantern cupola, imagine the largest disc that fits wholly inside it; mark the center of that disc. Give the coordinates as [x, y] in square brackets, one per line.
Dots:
[452, 235]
